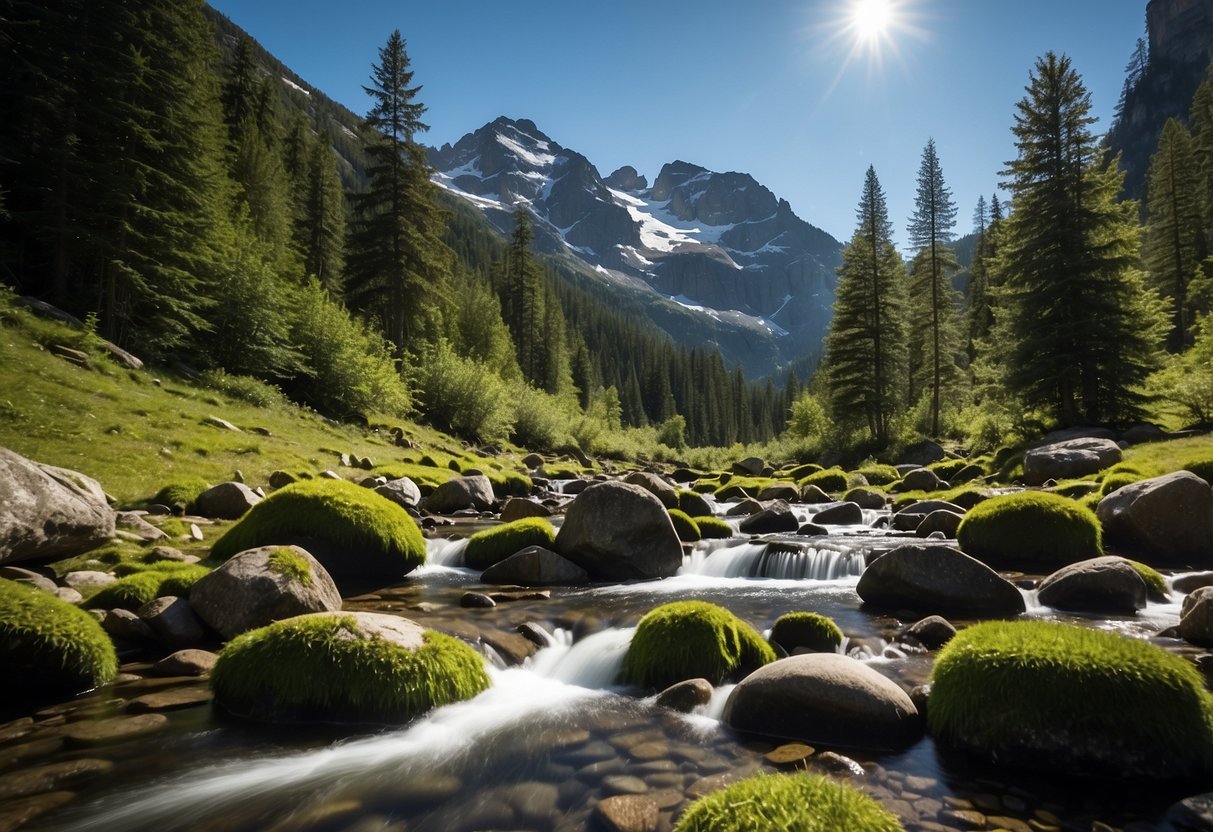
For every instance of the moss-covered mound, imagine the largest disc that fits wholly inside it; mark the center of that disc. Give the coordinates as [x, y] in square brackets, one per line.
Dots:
[832, 480]
[879, 474]
[690, 640]
[800, 802]
[139, 587]
[510, 483]
[1031, 527]
[713, 527]
[496, 544]
[802, 471]
[49, 647]
[181, 494]
[688, 529]
[808, 630]
[351, 530]
[1118, 480]
[344, 667]
[945, 469]
[1156, 584]
[1075, 700]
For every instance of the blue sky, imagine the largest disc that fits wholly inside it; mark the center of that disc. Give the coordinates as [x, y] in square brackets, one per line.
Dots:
[774, 88]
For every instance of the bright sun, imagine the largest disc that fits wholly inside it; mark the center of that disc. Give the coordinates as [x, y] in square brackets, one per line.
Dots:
[871, 18]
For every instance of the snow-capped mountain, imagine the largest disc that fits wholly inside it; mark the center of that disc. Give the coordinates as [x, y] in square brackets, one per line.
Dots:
[717, 244]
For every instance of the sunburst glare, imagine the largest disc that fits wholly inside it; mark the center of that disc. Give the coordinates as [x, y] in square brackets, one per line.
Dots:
[871, 32]
[871, 19]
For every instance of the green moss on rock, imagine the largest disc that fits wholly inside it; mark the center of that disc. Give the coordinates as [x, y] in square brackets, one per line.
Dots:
[1030, 527]
[49, 647]
[689, 640]
[510, 483]
[810, 630]
[287, 562]
[713, 528]
[181, 493]
[1156, 584]
[1118, 480]
[139, 587]
[494, 545]
[328, 668]
[879, 474]
[801, 802]
[351, 530]
[831, 480]
[687, 529]
[1071, 699]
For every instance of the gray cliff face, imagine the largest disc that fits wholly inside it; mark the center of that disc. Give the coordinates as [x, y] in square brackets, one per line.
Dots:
[718, 244]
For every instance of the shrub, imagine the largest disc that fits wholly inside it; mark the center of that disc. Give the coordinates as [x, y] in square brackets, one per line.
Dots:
[540, 422]
[1073, 699]
[801, 802]
[1030, 527]
[245, 388]
[181, 493]
[713, 528]
[323, 668]
[879, 474]
[810, 630]
[832, 480]
[687, 529]
[140, 587]
[494, 545]
[672, 432]
[461, 396]
[689, 640]
[49, 647]
[368, 534]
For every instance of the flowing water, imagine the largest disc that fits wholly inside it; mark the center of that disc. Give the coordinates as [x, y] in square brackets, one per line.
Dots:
[550, 738]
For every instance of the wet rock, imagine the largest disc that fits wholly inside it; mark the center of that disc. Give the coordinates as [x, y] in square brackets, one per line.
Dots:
[931, 632]
[170, 700]
[843, 514]
[518, 508]
[1194, 814]
[460, 493]
[790, 755]
[776, 517]
[1196, 619]
[476, 601]
[779, 491]
[656, 486]
[1107, 585]
[172, 620]
[812, 530]
[626, 813]
[941, 522]
[402, 491]
[1166, 519]
[116, 729]
[685, 697]
[126, 626]
[616, 531]
[188, 662]
[866, 498]
[535, 566]
[18, 813]
[920, 479]
[936, 579]
[624, 784]
[1191, 583]
[963, 818]
[1069, 459]
[824, 698]
[745, 508]
[259, 586]
[226, 501]
[513, 648]
[814, 495]
[837, 765]
[49, 513]
[749, 467]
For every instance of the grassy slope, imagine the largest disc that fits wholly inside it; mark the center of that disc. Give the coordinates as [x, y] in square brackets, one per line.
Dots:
[133, 434]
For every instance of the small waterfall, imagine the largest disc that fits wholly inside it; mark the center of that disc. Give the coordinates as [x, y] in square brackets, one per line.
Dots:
[827, 561]
[443, 551]
[594, 662]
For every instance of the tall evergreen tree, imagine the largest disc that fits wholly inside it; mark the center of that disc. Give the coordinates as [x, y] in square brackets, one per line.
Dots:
[322, 225]
[1084, 333]
[865, 350]
[523, 301]
[398, 263]
[930, 232]
[1174, 233]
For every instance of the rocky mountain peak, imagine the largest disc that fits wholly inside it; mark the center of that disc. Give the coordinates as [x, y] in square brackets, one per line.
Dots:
[627, 178]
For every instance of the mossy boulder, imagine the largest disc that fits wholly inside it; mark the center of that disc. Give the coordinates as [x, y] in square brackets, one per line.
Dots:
[801, 802]
[1030, 528]
[689, 640]
[49, 647]
[344, 667]
[713, 527]
[180, 495]
[1072, 700]
[687, 529]
[695, 505]
[832, 480]
[1106, 585]
[142, 587]
[352, 531]
[494, 545]
[1166, 519]
[1069, 459]
[807, 631]
[879, 474]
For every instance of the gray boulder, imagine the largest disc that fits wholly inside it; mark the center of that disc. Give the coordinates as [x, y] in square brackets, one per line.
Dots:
[776, 517]
[824, 698]
[253, 589]
[226, 501]
[920, 479]
[519, 508]
[749, 467]
[535, 566]
[1069, 459]
[403, 492]
[923, 453]
[931, 632]
[459, 493]
[936, 579]
[133, 522]
[814, 495]
[865, 498]
[172, 620]
[616, 531]
[780, 491]
[1101, 585]
[745, 508]
[47, 513]
[843, 514]
[1196, 618]
[655, 485]
[1167, 519]
[943, 521]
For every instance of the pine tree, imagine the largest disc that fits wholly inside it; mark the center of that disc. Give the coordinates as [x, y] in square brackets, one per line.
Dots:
[930, 232]
[523, 301]
[1174, 233]
[397, 264]
[1083, 331]
[865, 349]
[322, 225]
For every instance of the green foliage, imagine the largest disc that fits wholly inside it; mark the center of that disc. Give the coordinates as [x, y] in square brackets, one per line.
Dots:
[687, 529]
[801, 802]
[1116, 480]
[1030, 527]
[713, 527]
[49, 646]
[181, 493]
[138, 588]
[998, 685]
[245, 388]
[494, 545]
[462, 396]
[540, 420]
[808, 629]
[807, 419]
[672, 432]
[1185, 382]
[879, 474]
[945, 469]
[831, 480]
[287, 562]
[1156, 584]
[336, 513]
[692, 639]
[309, 668]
